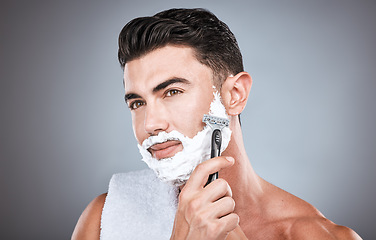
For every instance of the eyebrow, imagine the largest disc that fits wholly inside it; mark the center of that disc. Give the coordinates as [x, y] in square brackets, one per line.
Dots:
[129, 96]
[159, 87]
[166, 83]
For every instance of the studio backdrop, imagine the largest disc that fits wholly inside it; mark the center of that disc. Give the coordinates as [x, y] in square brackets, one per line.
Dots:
[309, 125]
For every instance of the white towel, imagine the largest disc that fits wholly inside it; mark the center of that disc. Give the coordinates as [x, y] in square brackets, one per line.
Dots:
[138, 206]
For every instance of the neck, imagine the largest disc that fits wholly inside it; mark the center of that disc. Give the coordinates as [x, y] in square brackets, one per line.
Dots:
[245, 184]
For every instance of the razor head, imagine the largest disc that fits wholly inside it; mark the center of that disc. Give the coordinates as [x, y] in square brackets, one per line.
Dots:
[215, 122]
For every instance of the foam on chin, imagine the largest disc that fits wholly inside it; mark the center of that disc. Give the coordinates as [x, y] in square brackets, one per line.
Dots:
[176, 170]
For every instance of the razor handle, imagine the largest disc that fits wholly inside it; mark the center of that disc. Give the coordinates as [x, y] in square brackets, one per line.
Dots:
[215, 151]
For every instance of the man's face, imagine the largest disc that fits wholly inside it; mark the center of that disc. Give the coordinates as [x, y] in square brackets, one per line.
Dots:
[167, 89]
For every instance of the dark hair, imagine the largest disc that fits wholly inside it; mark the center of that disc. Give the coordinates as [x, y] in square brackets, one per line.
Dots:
[214, 44]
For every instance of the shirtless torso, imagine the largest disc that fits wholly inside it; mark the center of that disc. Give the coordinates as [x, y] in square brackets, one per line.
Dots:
[286, 217]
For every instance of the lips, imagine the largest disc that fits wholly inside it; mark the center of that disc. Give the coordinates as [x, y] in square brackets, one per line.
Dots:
[166, 149]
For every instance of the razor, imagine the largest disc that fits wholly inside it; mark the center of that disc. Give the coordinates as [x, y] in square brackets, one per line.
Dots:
[216, 124]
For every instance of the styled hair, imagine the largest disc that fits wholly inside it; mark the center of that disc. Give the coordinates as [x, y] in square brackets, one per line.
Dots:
[211, 39]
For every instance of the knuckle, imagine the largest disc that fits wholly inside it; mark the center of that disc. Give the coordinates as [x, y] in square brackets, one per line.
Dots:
[224, 186]
[228, 204]
[200, 220]
[194, 205]
[200, 168]
[213, 230]
[234, 219]
[183, 196]
[222, 183]
[231, 202]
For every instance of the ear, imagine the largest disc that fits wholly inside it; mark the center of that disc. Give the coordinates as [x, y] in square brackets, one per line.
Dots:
[235, 91]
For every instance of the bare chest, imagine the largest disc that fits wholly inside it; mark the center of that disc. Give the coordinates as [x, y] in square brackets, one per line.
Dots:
[265, 231]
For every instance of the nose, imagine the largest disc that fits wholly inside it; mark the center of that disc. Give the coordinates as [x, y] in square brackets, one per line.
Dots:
[155, 120]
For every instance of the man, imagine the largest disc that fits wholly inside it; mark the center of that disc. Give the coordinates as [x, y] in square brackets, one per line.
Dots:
[176, 64]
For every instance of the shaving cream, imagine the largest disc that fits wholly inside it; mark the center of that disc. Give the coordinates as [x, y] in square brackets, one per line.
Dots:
[176, 170]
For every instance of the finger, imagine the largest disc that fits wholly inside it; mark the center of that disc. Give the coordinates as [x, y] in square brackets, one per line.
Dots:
[229, 222]
[201, 173]
[220, 208]
[216, 190]
[223, 207]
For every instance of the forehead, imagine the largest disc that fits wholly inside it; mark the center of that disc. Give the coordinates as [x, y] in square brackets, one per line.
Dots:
[162, 64]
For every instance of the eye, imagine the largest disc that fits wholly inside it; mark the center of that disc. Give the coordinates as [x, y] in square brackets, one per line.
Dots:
[136, 104]
[172, 92]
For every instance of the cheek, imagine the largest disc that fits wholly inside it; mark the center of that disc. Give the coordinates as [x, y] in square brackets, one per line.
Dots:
[138, 130]
[188, 116]
[199, 105]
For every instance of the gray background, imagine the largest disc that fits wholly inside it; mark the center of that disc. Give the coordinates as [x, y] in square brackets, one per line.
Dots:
[309, 125]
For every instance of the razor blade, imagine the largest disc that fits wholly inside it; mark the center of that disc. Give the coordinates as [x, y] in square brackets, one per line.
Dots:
[215, 122]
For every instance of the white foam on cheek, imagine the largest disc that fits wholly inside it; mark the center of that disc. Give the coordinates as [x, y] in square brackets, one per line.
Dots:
[217, 109]
[177, 169]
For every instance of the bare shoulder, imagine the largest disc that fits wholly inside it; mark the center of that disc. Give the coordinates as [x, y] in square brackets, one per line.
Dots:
[300, 220]
[88, 225]
[320, 228]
